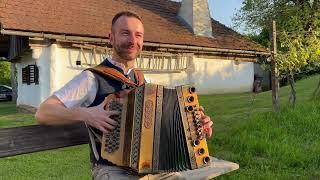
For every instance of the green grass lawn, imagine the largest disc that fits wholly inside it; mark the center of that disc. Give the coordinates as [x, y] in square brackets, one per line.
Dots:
[265, 145]
[9, 116]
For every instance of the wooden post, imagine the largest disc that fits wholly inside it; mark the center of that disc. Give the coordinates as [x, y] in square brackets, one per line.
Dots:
[274, 72]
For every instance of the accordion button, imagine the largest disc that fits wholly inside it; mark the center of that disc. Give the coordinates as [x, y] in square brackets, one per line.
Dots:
[199, 133]
[192, 89]
[189, 108]
[201, 151]
[201, 137]
[206, 160]
[190, 99]
[196, 121]
[109, 150]
[195, 142]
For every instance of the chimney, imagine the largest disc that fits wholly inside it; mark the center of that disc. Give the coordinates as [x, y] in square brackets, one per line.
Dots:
[196, 14]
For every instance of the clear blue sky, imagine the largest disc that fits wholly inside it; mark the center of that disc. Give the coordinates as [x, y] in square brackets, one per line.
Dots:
[223, 10]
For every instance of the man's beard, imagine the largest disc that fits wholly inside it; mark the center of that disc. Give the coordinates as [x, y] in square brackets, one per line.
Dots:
[121, 50]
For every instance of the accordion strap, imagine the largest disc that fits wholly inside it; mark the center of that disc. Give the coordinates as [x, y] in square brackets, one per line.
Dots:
[116, 75]
[139, 77]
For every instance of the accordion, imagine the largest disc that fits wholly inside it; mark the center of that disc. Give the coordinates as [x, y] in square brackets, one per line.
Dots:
[158, 130]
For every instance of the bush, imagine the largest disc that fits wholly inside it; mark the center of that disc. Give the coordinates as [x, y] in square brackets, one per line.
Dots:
[5, 73]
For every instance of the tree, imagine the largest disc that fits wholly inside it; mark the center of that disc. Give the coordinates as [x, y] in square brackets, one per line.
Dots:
[262, 38]
[298, 27]
[5, 72]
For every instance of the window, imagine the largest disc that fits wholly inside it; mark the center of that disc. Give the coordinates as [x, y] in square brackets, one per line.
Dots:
[30, 74]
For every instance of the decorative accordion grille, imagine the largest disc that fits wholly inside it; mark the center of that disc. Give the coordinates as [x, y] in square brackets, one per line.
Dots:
[113, 138]
[137, 127]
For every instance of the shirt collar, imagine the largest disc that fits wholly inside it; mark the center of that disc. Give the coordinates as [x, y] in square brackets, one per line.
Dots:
[121, 66]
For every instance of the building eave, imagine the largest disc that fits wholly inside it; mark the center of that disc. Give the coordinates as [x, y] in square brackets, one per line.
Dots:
[85, 39]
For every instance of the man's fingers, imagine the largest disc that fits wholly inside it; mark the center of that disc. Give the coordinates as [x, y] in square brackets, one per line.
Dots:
[205, 119]
[110, 121]
[110, 117]
[110, 113]
[210, 132]
[201, 113]
[208, 124]
[102, 129]
[201, 108]
[108, 125]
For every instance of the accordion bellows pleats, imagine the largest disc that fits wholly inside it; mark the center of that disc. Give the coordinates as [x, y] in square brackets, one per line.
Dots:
[158, 131]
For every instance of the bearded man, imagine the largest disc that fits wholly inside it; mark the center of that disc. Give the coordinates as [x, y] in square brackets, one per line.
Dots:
[83, 98]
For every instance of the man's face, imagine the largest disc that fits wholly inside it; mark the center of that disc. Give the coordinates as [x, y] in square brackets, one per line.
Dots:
[127, 37]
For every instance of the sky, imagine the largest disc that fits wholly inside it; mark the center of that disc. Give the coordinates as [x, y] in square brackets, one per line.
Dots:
[223, 10]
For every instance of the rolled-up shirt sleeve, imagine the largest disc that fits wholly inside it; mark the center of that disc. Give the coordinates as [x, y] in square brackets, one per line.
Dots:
[79, 92]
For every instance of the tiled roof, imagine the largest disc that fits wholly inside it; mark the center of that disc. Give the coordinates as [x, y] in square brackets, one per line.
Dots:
[92, 18]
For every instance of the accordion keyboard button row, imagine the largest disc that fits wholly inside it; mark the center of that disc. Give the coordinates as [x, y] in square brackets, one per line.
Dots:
[198, 140]
[198, 124]
[113, 137]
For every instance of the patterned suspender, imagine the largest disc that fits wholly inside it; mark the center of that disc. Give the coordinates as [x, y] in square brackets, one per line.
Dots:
[116, 75]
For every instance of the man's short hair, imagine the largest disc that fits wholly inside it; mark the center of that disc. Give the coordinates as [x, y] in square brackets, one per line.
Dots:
[127, 14]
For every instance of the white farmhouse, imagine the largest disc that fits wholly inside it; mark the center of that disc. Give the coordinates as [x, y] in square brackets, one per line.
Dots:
[49, 42]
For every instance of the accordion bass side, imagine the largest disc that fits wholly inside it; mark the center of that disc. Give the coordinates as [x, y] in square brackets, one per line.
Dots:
[158, 131]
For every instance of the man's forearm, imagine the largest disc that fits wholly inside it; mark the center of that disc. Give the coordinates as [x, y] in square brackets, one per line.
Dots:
[55, 115]
[53, 112]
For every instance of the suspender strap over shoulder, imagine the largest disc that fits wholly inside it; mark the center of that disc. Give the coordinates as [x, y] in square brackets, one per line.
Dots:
[116, 75]
[139, 77]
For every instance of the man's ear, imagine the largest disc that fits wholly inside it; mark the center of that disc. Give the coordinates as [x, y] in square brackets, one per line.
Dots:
[110, 36]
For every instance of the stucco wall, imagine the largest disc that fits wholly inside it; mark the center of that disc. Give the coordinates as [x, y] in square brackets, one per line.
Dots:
[211, 76]
[65, 67]
[216, 76]
[33, 94]
[57, 66]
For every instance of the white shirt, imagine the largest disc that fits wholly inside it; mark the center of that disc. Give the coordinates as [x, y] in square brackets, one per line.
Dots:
[82, 89]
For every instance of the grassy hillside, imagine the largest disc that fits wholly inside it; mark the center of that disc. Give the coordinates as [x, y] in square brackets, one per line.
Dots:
[267, 145]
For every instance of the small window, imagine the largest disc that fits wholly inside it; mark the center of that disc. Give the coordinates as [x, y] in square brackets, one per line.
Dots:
[30, 74]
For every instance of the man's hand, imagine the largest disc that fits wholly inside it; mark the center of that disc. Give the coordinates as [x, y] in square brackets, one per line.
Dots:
[206, 121]
[100, 118]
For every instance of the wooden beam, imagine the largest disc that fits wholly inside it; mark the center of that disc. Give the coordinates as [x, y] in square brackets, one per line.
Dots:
[28, 139]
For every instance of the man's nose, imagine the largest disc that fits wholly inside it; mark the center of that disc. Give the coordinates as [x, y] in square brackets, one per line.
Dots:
[132, 39]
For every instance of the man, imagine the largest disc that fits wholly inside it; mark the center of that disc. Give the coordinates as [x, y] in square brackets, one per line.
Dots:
[83, 98]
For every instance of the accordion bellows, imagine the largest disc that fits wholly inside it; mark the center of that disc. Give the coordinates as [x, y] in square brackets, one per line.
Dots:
[158, 130]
